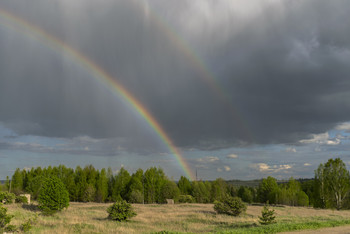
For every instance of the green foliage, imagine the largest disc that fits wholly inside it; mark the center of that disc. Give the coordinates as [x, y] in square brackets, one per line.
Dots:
[184, 185]
[7, 198]
[53, 196]
[169, 190]
[246, 194]
[136, 196]
[186, 199]
[26, 226]
[17, 181]
[268, 190]
[21, 199]
[102, 186]
[267, 216]
[120, 211]
[332, 183]
[5, 219]
[231, 206]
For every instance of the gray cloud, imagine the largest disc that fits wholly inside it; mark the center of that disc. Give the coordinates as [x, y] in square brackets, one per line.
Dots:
[283, 65]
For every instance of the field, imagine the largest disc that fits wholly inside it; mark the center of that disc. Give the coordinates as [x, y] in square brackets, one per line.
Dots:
[181, 218]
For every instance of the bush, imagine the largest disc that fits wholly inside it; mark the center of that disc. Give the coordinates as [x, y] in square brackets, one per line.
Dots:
[5, 219]
[120, 211]
[7, 198]
[186, 199]
[230, 206]
[53, 196]
[25, 227]
[21, 199]
[267, 216]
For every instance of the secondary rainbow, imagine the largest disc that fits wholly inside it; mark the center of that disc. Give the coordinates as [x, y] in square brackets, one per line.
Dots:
[197, 63]
[9, 20]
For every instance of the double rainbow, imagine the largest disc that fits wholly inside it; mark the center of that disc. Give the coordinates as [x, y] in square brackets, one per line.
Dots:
[16, 23]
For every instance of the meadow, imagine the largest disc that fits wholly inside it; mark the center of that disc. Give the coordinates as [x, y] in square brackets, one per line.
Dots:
[178, 218]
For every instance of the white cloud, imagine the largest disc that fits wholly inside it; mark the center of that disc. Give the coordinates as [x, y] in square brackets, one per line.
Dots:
[232, 156]
[291, 150]
[227, 168]
[219, 169]
[263, 167]
[208, 159]
[307, 164]
[343, 126]
[322, 139]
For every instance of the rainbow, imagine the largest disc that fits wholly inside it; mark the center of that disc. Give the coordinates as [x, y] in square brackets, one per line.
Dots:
[13, 22]
[204, 73]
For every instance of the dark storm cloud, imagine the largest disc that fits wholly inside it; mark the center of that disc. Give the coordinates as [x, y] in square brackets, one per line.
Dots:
[284, 66]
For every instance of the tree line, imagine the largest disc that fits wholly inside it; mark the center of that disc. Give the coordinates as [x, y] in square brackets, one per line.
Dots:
[329, 188]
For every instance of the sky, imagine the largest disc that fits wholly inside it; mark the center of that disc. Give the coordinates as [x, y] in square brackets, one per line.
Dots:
[242, 89]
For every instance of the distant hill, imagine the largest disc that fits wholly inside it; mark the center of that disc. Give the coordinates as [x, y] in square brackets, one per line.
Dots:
[255, 183]
[248, 183]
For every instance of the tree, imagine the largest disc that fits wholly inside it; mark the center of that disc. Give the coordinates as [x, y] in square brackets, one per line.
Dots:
[119, 189]
[333, 182]
[268, 190]
[17, 182]
[184, 185]
[102, 186]
[53, 195]
[267, 216]
[169, 190]
[218, 190]
[153, 182]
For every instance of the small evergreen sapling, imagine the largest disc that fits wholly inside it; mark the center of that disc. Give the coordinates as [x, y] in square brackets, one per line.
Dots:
[267, 216]
[120, 211]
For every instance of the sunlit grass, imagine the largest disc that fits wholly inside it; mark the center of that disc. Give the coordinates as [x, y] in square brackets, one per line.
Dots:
[178, 218]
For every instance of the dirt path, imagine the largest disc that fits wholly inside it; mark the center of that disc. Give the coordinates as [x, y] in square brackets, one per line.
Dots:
[334, 230]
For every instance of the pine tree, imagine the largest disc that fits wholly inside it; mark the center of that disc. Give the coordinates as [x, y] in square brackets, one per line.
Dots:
[267, 216]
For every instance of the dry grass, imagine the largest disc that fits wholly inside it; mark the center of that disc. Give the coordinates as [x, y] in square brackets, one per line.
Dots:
[195, 218]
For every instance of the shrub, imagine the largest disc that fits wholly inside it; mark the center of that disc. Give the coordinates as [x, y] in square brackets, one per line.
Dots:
[120, 211]
[5, 219]
[231, 206]
[267, 216]
[26, 226]
[7, 198]
[186, 199]
[21, 199]
[53, 196]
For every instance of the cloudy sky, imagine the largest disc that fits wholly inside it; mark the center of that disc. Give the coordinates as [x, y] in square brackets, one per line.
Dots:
[244, 89]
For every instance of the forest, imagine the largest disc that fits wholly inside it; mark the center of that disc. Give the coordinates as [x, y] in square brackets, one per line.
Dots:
[328, 189]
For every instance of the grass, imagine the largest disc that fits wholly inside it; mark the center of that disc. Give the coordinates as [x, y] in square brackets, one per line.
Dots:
[178, 218]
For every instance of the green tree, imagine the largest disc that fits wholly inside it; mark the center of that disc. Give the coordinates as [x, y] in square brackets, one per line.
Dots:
[169, 190]
[218, 189]
[268, 190]
[17, 182]
[333, 179]
[153, 182]
[102, 186]
[245, 194]
[135, 187]
[184, 185]
[53, 195]
[120, 183]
